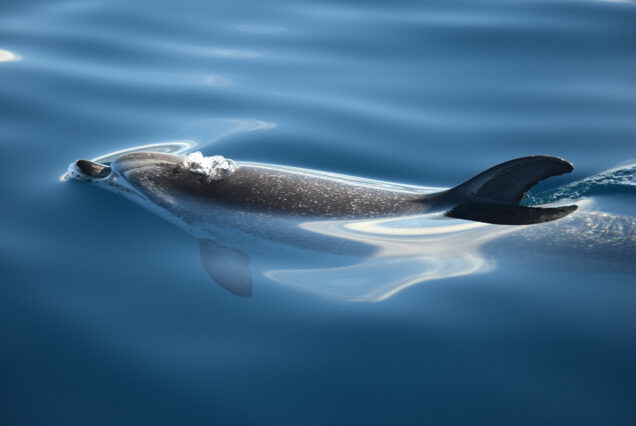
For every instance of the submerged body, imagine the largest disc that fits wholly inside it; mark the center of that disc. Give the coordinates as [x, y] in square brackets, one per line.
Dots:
[226, 204]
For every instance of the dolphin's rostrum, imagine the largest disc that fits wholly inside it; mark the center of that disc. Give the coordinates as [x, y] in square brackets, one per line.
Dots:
[253, 199]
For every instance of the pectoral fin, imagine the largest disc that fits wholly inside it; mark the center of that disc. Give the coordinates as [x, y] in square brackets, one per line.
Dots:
[227, 266]
[507, 214]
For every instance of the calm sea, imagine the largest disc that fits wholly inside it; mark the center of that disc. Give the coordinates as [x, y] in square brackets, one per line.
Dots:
[108, 318]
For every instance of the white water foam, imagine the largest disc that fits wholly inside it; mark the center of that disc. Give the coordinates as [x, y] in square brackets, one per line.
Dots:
[216, 167]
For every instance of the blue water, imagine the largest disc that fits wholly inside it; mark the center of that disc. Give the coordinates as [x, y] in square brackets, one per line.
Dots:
[108, 318]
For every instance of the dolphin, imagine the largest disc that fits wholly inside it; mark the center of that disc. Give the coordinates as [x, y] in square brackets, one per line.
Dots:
[226, 204]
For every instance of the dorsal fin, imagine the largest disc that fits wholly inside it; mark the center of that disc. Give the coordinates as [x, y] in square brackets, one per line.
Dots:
[507, 183]
[493, 196]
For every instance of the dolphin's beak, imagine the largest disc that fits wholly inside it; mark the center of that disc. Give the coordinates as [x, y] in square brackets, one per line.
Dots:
[88, 170]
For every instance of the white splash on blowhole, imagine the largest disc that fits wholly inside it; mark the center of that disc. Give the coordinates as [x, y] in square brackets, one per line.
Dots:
[215, 167]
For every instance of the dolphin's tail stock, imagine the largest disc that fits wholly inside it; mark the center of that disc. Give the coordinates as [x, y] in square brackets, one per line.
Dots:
[493, 196]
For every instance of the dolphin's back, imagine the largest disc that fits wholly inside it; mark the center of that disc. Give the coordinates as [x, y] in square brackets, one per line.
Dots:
[492, 196]
[270, 189]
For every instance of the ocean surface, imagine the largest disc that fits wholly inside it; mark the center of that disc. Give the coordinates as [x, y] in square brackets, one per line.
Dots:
[107, 316]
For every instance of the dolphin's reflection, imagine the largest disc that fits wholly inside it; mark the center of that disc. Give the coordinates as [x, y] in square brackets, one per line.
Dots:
[409, 250]
[422, 248]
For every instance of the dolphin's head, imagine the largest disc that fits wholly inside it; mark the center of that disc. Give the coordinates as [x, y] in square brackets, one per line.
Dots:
[153, 176]
[122, 176]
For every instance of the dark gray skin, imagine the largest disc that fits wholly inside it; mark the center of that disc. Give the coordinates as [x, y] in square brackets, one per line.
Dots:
[254, 188]
[492, 197]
